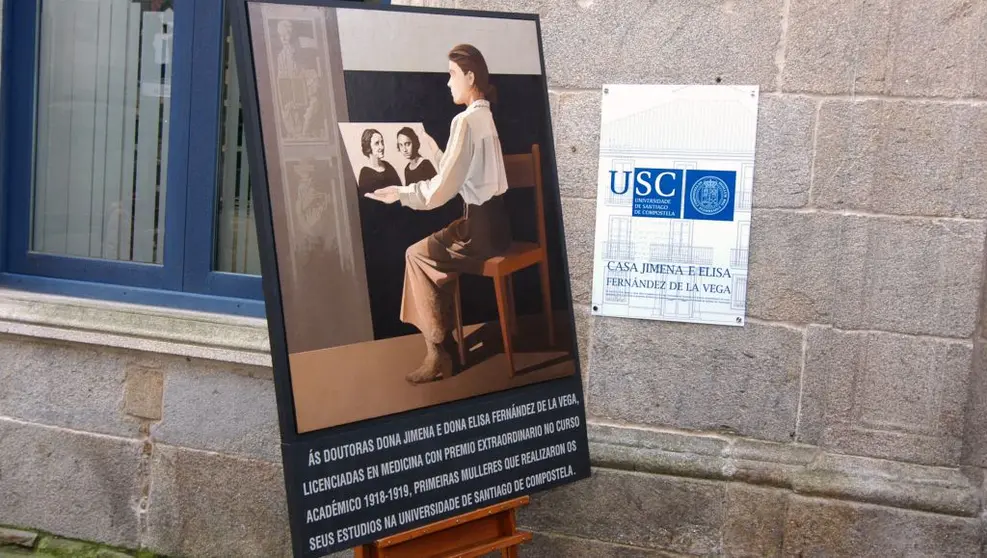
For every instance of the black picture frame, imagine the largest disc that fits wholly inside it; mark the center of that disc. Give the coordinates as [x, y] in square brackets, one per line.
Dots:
[293, 443]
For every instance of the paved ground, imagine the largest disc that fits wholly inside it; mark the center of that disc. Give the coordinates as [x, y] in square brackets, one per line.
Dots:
[63, 551]
[17, 553]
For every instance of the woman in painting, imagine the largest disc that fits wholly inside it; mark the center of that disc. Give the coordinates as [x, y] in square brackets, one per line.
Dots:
[378, 173]
[472, 166]
[419, 168]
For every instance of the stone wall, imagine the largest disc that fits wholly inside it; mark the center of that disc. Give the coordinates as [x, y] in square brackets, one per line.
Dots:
[845, 419]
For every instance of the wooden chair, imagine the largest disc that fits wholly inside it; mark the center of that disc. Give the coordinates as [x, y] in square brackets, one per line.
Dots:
[523, 171]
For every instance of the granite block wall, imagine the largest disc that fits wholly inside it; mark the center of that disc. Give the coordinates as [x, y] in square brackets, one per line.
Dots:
[847, 418]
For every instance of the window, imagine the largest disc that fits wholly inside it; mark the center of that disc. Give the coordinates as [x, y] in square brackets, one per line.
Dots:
[101, 142]
[236, 251]
[125, 174]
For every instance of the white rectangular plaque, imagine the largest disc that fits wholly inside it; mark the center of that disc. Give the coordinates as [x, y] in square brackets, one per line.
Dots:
[673, 206]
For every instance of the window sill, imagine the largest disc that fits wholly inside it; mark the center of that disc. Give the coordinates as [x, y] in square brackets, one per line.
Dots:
[221, 337]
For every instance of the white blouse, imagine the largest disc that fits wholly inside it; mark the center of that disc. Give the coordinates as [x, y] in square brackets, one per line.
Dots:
[472, 165]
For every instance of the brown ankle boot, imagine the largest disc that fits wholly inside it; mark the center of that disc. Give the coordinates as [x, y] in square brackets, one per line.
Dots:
[437, 364]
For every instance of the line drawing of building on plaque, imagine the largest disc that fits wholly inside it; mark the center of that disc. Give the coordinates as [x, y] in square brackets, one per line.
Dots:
[739, 295]
[673, 130]
[618, 244]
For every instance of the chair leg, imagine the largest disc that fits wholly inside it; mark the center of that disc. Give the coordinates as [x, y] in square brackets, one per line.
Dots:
[546, 297]
[460, 341]
[500, 289]
[510, 304]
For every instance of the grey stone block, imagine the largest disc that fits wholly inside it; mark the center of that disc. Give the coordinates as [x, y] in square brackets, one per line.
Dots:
[584, 340]
[885, 395]
[792, 276]
[835, 529]
[576, 128]
[426, 3]
[650, 511]
[549, 545]
[588, 44]
[858, 272]
[212, 409]
[755, 521]
[837, 47]
[975, 437]
[743, 380]
[938, 48]
[783, 151]
[674, 441]
[651, 451]
[806, 469]
[983, 298]
[890, 483]
[143, 389]
[74, 485]
[905, 158]
[75, 386]
[579, 219]
[210, 505]
[910, 48]
[909, 275]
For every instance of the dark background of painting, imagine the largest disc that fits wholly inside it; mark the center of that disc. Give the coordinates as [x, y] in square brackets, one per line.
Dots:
[388, 230]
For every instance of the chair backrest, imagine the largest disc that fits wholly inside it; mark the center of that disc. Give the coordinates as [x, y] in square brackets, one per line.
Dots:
[524, 171]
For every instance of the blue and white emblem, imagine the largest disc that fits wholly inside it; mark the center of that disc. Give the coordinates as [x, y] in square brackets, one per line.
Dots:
[710, 195]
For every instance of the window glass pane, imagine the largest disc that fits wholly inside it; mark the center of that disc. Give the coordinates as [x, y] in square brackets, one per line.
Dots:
[236, 235]
[103, 92]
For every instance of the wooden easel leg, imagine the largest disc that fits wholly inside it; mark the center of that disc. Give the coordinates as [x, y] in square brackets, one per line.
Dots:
[470, 535]
[511, 527]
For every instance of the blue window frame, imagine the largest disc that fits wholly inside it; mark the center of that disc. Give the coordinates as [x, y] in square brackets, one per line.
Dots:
[183, 273]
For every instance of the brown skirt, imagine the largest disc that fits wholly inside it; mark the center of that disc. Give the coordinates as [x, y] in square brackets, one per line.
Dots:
[432, 263]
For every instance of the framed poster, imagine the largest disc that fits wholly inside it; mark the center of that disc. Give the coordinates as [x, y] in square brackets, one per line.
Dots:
[413, 260]
[673, 206]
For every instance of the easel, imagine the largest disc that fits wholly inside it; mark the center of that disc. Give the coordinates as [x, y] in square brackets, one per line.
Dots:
[465, 536]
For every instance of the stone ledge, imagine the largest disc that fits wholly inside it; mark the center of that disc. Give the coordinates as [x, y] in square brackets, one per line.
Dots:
[805, 470]
[17, 537]
[154, 329]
